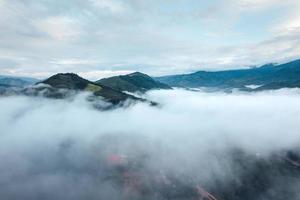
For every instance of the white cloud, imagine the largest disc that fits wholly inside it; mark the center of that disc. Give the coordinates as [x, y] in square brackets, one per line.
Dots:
[74, 62]
[59, 28]
[260, 4]
[112, 5]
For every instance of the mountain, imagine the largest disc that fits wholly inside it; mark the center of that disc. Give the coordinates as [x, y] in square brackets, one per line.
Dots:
[134, 82]
[279, 85]
[67, 81]
[62, 85]
[19, 82]
[269, 76]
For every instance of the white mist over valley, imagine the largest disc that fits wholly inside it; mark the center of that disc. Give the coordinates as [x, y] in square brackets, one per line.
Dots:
[67, 149]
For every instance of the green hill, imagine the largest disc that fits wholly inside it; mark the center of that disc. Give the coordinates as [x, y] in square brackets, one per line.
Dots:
[134, 82]
[70, 81]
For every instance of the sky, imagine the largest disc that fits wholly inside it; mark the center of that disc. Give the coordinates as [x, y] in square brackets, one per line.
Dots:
[100, 38]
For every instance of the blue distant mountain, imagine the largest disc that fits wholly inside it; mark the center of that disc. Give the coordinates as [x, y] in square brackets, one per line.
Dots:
[268, 76]
[18, 82]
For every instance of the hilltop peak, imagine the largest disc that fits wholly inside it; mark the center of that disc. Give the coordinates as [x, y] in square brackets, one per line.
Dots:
[137, 74]
[67, 81]
[134, 82]
[67, 74]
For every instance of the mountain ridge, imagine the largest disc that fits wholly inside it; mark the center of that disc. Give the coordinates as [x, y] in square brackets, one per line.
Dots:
[237, 78]
[62, 85]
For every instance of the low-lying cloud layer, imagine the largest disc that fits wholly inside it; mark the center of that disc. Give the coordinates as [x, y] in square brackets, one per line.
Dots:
[65, 149]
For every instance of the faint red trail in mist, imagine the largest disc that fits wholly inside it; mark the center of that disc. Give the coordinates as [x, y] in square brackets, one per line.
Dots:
[204, 194]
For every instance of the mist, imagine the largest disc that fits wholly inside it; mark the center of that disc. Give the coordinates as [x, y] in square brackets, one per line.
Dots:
[67, 149]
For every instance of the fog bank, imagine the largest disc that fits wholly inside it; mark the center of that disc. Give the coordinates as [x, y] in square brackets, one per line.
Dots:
[64, 149]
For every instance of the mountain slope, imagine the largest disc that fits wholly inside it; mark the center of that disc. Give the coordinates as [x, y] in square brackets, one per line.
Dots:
[279, 85]
[289, 73]
[134, 82]
[56, 86]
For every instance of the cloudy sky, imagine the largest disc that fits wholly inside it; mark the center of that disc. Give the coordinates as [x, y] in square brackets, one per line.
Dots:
[97, 38]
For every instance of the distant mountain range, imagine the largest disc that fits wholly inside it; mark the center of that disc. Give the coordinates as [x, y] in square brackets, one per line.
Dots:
[134, 82]
[14, 81]
[112, 89]
[10, 85]
[266, 77]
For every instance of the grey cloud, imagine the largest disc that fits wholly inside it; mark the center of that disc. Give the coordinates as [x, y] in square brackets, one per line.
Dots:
[151, 36]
